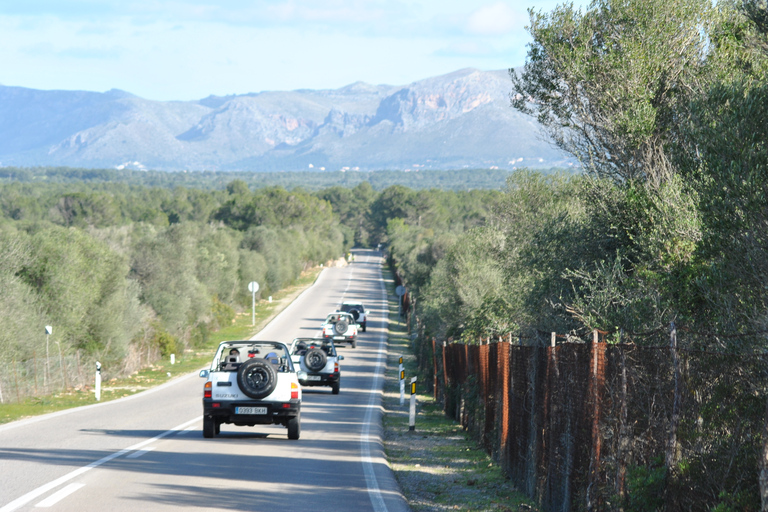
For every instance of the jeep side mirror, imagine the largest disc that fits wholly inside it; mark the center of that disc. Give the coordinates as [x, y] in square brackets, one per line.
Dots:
[341, 358]
[204, 374]
[301, 374]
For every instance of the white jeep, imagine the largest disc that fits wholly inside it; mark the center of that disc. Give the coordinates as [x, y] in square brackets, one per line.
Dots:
[251, 383]
[357, 310]
[319, 359]
[341, 328]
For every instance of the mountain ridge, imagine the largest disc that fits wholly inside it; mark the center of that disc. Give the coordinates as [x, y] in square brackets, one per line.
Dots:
[461, 119]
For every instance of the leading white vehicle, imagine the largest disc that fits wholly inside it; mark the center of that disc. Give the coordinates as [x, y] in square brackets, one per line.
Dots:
[251, 383]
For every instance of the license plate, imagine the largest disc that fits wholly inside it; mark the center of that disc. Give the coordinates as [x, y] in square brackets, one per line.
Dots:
[250, 410]
[338, 337]
[313, 377]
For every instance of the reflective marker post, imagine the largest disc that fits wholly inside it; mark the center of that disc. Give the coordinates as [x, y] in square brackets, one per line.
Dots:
[412, 415]
[253, 287]
[402, 382]
[98, 381]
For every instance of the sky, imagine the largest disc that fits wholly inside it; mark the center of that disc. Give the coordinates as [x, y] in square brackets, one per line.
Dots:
[190, 49]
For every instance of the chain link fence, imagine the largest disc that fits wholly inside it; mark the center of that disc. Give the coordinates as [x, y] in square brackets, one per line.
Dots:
[598, 426]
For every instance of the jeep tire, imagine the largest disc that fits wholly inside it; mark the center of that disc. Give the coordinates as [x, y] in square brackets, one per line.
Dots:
[335, 387]
[315, 359]
[340, 327]
[294, 427]
[209, 427]
[257, 378]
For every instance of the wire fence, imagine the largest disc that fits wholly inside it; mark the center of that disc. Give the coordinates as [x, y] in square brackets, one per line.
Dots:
[598, 426]
[41, 375]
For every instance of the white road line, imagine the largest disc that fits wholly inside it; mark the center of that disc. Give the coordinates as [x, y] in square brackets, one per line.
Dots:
[139, 453]
[31, 495]
[58, 496]
[22, 423]
[289, 306]
[370, 476]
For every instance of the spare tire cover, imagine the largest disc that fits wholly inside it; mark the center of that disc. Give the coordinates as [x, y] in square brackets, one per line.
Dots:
[257, 378]
[355, 314]
[315, 359]
[341, 327]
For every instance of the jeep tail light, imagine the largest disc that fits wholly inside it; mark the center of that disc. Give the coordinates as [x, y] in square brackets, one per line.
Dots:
[294, 391]
[207, 390]
[335, 367]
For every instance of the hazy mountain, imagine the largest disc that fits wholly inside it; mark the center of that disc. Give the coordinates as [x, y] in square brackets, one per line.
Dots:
[462, 119]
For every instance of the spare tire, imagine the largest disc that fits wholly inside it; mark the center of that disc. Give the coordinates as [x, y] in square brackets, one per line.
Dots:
[315, 359]
[355, 314]
[341, 327]
[257, 378]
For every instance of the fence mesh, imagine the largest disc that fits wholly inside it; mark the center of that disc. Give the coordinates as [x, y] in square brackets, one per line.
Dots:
[592, 426]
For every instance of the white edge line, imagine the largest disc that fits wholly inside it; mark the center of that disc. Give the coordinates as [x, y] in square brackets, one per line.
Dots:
[31, 495]
[139, 453]
[59, 495]
[294, 301]
[370, 476]
[42, 417]
[172, 382]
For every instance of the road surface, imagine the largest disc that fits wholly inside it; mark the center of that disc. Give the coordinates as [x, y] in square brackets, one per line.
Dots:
[146, 451]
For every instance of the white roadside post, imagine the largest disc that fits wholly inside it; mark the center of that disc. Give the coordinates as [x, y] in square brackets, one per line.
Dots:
[253, 287]
[412, 415]
[98, 381]
[173, 358]
[47, 373]
[402, 382]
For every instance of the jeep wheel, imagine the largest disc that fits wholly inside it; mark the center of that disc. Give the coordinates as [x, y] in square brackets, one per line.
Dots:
[315, 359]
[354, 343]
[209, 427]
[363, 325]
[294, 427]
[340, 327]
[335, 387]
[257, 378]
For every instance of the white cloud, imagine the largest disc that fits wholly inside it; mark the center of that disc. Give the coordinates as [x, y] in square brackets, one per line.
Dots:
[494, 19]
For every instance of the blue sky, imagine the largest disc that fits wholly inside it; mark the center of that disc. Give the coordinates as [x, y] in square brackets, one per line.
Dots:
[188, 49]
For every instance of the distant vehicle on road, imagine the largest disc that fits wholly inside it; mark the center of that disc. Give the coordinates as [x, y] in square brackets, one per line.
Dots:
[357, 310]
[319, 359]
[341, 328]
[251, 383]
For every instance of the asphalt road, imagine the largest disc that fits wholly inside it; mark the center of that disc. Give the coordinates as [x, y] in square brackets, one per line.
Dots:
[146, 452]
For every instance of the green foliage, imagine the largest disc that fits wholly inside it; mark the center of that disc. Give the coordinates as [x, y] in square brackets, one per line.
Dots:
[606, 83]
[81, 286]
[164, 341]
[645, 487]
[464, 179]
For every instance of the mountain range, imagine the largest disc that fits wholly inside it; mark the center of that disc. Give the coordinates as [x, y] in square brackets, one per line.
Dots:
[459, 120]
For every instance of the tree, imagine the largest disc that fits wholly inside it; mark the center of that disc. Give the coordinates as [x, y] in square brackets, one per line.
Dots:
[607, 84]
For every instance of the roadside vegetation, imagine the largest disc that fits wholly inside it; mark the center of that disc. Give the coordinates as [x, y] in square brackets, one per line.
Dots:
[438, 464]
[161, 370]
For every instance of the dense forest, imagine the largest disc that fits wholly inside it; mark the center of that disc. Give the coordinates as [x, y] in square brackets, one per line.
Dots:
[466, 179]
[127, 272]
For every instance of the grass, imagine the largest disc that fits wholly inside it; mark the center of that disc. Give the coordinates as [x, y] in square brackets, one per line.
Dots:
[161, 371]
[438, 465]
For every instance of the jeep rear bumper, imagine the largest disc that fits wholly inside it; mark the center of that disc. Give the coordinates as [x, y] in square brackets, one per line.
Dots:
[326, 379]
[274, 412]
